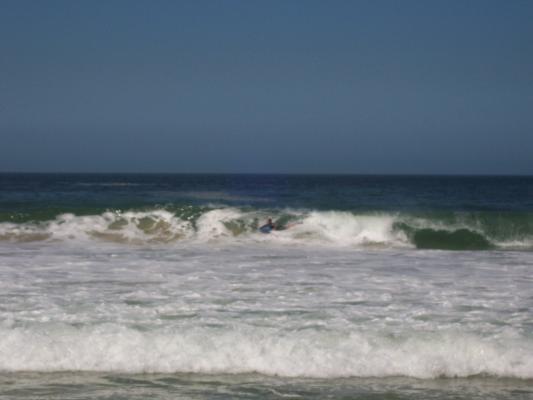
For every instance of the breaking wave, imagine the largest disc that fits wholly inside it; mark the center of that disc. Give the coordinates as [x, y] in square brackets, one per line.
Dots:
[467, 231]
[267, 351]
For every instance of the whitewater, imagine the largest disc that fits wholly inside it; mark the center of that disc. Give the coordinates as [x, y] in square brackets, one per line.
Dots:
[459, 231]
[113, 295]
[274, 310]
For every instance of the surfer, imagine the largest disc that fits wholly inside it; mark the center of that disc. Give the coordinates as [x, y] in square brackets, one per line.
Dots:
[269, 226]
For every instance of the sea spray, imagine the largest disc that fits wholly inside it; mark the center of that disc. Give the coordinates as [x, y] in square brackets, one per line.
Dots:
[446, 231]
[305, 353]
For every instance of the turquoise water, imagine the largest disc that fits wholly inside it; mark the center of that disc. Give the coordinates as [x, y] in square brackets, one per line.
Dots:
[161, 286]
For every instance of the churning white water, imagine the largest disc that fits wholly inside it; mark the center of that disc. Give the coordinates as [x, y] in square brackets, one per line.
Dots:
[264, 307]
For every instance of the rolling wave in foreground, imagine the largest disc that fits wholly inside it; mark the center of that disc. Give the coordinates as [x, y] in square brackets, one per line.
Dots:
[269, 351]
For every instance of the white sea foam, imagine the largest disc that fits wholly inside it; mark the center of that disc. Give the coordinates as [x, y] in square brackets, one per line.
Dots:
[298, 311]
[338, 228]
[344, 228]
[266, 351]
[130, 227]
[211, 225]
[224, 224]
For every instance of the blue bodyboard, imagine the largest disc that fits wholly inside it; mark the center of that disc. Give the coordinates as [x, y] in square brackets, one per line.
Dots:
[265, 229]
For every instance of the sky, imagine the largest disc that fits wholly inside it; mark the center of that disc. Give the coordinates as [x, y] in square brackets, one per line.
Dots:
[369, 87]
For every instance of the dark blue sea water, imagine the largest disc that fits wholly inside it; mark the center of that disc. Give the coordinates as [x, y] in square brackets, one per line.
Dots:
[322, 192]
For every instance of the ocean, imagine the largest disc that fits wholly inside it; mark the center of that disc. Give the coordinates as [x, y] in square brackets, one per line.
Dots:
[134, 286]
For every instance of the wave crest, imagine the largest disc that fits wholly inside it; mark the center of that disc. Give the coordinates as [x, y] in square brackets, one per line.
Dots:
[270, 352]
[328, 228]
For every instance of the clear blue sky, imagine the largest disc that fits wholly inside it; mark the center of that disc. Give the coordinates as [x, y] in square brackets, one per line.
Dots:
[267, 86]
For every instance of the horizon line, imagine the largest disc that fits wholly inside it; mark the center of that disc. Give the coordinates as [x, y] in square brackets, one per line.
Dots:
[272, 173]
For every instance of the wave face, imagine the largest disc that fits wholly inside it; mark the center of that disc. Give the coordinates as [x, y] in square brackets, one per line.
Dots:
[199, 224]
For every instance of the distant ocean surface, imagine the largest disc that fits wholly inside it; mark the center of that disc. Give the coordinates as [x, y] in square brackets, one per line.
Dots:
[161, 286]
